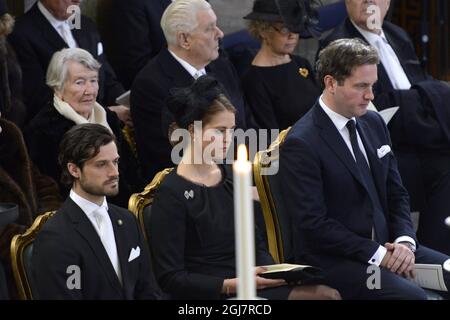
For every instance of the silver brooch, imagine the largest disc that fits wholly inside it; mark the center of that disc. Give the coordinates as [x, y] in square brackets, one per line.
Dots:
[189, 194]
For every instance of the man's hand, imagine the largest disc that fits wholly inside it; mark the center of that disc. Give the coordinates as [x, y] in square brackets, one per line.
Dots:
[399, 259]
[123, 113]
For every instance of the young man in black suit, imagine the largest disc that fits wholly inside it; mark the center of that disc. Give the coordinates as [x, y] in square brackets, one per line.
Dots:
[47, 28]
[348, 205]
[420, 129]
[91, 249]
[192, 37]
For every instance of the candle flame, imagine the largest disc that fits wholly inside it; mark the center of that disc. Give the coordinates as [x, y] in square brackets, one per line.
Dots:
[242, 153]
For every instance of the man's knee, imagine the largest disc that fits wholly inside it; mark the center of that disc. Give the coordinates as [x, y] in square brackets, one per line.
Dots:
[404, 290]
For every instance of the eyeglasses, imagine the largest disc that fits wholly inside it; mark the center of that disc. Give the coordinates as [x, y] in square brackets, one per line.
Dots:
[283, 30]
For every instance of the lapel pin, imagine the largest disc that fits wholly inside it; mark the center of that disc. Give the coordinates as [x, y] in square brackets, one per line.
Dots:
[120, 222]
[303, 72]
[189, 194]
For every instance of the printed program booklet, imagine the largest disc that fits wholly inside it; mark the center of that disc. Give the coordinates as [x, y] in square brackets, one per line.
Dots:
[293, 273]
[430, 276]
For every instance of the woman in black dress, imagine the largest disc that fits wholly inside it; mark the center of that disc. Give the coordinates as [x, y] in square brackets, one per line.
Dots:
[191, 228]
[279, 86]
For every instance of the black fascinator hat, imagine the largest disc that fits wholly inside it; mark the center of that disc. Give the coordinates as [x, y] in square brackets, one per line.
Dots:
[299, 16]
[265, 10]
[191, 103]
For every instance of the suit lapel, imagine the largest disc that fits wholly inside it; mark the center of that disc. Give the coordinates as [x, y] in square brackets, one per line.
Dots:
[174, 70]
[122, 244]
[48, 32]
[333, 139]
[395, 45]
[84, 227]
[82, 38]
[379, 173]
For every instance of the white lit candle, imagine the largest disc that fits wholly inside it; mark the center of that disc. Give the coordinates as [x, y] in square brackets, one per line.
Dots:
[244, 226]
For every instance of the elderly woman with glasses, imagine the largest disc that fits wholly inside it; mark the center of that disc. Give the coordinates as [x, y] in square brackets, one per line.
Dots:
[279, 86]
[73, 76]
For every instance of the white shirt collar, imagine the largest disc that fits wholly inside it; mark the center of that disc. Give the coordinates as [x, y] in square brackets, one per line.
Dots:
[87, 206]
[338, 120]
[371, 37]
[186, 65]
[53, 21]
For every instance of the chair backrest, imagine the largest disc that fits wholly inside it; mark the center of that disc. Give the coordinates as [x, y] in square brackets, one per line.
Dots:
[21, 253]
[140, 203]
[268, 183]
[128, 134]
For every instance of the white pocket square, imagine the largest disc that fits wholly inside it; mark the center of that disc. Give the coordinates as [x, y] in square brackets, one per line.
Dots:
[99, 49]
[384, 150]
[134, 253]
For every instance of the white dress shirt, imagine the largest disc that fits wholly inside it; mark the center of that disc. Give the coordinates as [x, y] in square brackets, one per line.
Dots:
[388, 58]
[340, 122]
[62, 27]
[102, 225]
[188, 67]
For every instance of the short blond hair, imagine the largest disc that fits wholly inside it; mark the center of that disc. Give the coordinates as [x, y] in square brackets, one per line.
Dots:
[181, 16]
[258, 27]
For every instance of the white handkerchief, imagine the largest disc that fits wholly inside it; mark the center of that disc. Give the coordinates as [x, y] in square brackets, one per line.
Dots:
[384, 150]
[134, 253]
[99, 49]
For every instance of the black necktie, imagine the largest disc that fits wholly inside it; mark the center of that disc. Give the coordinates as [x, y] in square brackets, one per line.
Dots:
[379, 219]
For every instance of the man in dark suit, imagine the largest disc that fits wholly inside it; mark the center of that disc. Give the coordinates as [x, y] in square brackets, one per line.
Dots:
[45, 29]
[91, 249]
[420, 129]
[137, 35]
[193, 50]
[348, 205]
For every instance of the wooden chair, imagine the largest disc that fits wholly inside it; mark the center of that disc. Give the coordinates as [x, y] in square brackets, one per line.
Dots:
[140, 203]
[21, 253]
[277, 223]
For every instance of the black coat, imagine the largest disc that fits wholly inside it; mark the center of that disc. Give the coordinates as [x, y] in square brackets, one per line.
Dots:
[137, 38]
[35, 41]
[149, 112]
[68, 238]
[44, 134]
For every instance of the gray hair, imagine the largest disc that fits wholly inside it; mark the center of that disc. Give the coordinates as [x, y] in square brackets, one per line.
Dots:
[57, 70]
[340, 57]
[181, 16]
